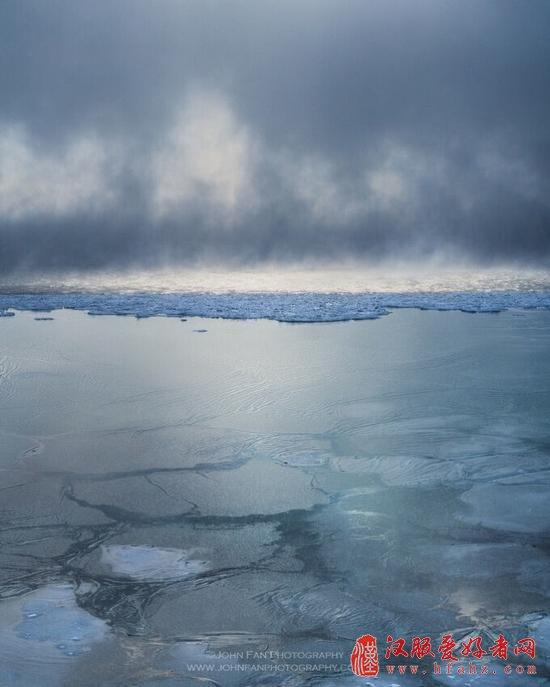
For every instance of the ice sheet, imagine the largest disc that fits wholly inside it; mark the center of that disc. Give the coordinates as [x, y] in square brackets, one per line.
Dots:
[170, 499]
[284, 307]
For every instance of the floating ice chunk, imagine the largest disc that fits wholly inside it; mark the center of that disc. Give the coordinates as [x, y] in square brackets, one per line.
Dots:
[151, 564]
[284, 307]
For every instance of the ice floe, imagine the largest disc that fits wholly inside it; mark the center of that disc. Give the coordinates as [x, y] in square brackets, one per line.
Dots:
[284, 307]
[151, 564]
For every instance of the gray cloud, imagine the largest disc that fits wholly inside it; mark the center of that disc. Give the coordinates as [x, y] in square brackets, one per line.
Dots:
[135, 133]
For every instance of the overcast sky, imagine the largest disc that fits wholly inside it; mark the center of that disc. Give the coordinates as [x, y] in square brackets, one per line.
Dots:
[135, 132]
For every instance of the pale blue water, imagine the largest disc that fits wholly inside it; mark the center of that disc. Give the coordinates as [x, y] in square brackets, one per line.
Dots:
[172, 497]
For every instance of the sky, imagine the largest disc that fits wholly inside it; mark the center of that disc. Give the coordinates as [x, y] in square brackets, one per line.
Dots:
[138, 133]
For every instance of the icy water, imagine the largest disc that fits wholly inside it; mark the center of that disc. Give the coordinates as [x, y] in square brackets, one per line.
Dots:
[224, 502]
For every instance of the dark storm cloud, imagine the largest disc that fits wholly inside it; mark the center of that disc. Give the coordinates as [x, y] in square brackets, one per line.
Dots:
[133, 132]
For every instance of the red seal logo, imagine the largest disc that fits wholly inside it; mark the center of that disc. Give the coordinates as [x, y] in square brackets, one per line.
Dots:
[364, 657]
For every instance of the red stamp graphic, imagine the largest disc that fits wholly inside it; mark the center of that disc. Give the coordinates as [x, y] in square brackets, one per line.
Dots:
[364, 657]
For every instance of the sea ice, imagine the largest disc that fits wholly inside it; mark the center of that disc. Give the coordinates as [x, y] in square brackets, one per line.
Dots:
[514, 508]
[52, 615]
[42, 634]
[151, 564]
[284, 307]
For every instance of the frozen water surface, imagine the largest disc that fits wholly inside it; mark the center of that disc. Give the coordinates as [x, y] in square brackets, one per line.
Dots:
[170, 502]
[43, 634]
[151, 564]
[284, 307]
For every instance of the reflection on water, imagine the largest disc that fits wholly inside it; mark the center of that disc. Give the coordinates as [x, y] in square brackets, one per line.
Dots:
[171, 501]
